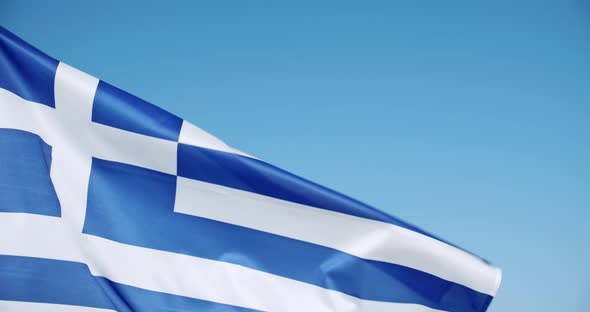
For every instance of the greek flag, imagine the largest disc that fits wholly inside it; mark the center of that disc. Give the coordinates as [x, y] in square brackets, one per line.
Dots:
[109, 203]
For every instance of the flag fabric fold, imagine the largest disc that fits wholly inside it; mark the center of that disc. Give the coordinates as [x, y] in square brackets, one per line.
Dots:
[110, 203]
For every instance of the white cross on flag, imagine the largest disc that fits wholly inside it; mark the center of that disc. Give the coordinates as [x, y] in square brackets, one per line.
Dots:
[109, 203]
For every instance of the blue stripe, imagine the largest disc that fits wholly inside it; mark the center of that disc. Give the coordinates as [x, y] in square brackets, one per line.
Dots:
[134, 205]
[26, 71]
[63, 282]
[25, 183]
[259, 177]
[49, 281]
[117, 108]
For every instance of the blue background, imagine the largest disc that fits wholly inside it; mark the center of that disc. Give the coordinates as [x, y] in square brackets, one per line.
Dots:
[471, 120]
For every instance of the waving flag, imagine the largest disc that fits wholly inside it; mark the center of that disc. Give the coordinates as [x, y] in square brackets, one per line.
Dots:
[108, 202]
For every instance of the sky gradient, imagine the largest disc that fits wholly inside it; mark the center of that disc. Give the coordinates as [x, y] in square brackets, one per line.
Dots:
[470, 120]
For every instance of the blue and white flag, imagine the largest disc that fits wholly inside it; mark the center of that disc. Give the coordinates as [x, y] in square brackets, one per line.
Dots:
[109, 203]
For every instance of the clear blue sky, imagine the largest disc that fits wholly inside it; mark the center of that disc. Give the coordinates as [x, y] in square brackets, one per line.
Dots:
[469, 120]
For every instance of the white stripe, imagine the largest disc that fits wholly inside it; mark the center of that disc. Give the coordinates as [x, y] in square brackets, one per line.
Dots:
[46, 237]
[361, 237]
[20, 306]
[193, 135]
